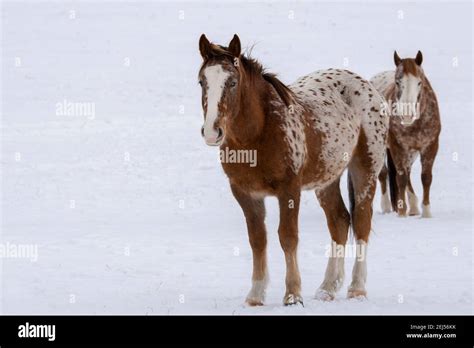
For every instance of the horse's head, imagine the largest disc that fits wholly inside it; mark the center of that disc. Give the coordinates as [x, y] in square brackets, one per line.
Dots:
[408, 86]
[220, 80]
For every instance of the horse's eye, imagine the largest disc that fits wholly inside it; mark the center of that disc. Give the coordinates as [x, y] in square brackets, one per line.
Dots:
[233, 84]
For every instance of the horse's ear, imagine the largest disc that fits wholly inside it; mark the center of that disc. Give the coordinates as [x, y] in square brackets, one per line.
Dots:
[396, 58]
[419, 58]
[204, 46]
[234, 46]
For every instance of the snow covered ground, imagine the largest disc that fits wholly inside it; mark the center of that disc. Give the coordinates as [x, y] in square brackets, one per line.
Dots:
[130, 211]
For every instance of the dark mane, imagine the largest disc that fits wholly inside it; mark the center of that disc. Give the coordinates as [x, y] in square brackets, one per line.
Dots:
[254, 69]
[283, 91]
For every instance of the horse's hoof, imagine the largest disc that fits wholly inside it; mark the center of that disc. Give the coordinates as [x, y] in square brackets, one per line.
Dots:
[252, 302]
[357, 294]
[426, 211]
[324, 295]
[292, 300]
[414, 211]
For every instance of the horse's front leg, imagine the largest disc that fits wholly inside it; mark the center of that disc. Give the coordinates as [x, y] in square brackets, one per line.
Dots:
[402, 164]
[254, 211]
[428, 156]
[289, 201]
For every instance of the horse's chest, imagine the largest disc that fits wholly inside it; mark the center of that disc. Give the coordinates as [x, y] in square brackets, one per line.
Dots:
[416, 136]
[252, 179]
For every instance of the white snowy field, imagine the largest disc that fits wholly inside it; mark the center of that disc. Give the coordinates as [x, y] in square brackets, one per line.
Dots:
[131, 212]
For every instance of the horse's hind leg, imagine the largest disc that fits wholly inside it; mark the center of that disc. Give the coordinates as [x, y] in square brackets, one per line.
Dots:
[386, 205]
[363, 180]
[254, 211]
[362, 219]
[338, 221]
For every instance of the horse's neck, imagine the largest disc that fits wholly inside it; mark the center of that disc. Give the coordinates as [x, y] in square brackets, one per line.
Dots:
[426, 93]
[426, 84]
[248, 125]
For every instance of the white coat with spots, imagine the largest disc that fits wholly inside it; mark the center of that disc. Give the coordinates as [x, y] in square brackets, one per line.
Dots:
[341, 104]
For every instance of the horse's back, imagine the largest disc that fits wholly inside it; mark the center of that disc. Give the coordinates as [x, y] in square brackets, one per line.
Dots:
[382, 81]
[340, 105]
[335, 90]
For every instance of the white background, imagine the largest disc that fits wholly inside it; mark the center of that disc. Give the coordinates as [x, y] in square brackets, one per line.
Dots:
[161, 233]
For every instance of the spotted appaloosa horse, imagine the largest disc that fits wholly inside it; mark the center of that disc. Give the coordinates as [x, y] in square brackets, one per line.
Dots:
[305, 135]
[414, 129]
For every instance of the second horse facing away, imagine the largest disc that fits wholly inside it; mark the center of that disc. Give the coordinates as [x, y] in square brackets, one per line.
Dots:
[414, 129]
[305, 136]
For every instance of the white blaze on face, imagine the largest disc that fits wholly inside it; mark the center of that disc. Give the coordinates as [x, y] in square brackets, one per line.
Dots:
[408, 102]
[216, 78]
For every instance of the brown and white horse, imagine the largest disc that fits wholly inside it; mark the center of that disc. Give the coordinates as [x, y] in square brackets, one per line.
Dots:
[305, 136]
[414, 129]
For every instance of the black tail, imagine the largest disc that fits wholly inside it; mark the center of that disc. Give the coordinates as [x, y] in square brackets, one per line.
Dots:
[392, 181]
[350, 188]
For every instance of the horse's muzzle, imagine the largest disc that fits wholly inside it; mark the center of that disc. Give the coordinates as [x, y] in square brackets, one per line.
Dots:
[213, 140]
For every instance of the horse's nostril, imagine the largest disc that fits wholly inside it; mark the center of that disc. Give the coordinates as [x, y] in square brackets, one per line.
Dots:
[202, 131]
[219, 133]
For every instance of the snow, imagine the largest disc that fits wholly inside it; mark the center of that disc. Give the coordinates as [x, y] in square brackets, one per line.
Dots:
[131, 212]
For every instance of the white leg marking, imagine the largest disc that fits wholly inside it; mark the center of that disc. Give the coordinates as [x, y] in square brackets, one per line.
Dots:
[256, 295]
[359, 272]
[385, 204]
[426, 211]
[413, 204]
[334, 277]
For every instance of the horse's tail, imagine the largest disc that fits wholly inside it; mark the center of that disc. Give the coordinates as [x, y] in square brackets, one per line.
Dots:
[350, 189]
[392, 180]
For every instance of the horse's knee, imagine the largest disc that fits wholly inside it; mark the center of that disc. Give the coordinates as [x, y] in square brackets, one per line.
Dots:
[288, 239]
[258, 241]
[426, 178]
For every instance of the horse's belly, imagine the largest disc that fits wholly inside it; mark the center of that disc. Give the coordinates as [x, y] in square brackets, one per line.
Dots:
[319, 179]
[338, 142]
